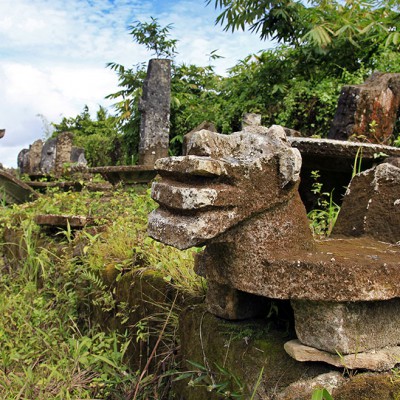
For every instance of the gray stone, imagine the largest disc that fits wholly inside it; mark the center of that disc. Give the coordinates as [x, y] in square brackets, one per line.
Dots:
[208, 126]
[23, 160]
[251, 119]
[376, 360]
[154, 107]
[48, 158]
[34, 156]
[78, 155]
[372, 205]
[350, 327]
[304, 388]
[368, 111]
[232, 166]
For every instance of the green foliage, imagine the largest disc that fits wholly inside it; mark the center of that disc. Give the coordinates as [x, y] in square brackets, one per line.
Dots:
[99, 137]
[323, 217]
[154, 37]
[321, 394]
[51, 349]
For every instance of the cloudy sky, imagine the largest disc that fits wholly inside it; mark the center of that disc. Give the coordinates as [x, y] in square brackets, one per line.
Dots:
[53, 55]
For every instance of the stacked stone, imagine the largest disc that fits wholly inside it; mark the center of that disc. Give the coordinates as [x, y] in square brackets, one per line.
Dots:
[238, 196]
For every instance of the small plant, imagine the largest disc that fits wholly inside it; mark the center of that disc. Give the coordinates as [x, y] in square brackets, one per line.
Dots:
[323, 217]
[321, 394]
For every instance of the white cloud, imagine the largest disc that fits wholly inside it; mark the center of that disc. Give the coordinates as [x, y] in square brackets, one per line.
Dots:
[54, 53]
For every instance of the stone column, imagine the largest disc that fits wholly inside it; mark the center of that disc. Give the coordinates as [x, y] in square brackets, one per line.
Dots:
[155, 110]
[63, 151]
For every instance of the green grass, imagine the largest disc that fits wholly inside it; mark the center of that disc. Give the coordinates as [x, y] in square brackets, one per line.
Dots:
[50, 346]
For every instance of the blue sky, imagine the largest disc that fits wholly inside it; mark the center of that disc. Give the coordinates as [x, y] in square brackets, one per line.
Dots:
[53, 55]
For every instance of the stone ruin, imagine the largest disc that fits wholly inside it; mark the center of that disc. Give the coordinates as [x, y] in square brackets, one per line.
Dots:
[154, 107]
[238, 196]
[368, 112]
[49, 157]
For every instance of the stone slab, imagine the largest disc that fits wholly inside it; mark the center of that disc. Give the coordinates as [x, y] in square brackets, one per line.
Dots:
[351, 269]
[14, 190]
[125, 174]
[62, 221]
[379, 360]
[349, 327]
[340, 148]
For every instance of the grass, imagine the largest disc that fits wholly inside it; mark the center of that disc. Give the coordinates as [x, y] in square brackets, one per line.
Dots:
[50, 346]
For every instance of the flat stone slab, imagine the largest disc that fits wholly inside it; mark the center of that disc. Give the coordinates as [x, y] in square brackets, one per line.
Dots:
[379, 360]
[349, 327]
[340, 270]
[126, 174]
[14, 190]
[340, 148]
[62, 221]
[73, 185]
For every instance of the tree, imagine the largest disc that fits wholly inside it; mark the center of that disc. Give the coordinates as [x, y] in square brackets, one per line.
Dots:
[99, 137]
[347, 34]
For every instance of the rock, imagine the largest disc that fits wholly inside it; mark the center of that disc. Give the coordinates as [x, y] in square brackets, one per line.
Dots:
[48, 159]
[350, 327]
[78, 155]
[23, 160]
[35, 152]
[303, 389]
[231, 167]
[63, 152]
[379, 360]
[251, 119]
[208, 126]
[2, 133]
[372, 205]
[154, 107]
[368, 111]
[62, 221]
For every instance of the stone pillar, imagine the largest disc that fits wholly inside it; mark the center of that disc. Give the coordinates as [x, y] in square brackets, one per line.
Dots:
[63, 151]
[368, 110]
[155, 110]
[34, 155]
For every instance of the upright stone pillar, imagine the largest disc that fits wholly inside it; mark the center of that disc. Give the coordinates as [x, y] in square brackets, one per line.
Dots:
[35, 151]
[155, 110]
[63, 151]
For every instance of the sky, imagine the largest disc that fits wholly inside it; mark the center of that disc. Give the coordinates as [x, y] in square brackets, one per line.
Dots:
[53, 56]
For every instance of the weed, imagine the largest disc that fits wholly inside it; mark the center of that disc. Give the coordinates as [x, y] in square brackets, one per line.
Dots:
[323, 217]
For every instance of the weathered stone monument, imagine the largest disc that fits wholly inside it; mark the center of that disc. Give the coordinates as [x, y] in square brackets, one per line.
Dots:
[155, 109]
[238, 196]
[51, 156]
[368, 111]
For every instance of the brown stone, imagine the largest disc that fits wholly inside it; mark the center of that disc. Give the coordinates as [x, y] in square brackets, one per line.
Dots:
[368, 111]
[258, 162]
[63, 152]
[125, 174]
[62, 221]
[154, 107]
[350, 327]
[2, 133]
[35, 152]
[377, 360]
[372, 205]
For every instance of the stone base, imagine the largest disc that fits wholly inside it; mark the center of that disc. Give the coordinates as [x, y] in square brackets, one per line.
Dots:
[379, 360]
[228, 303]
[347, 327]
